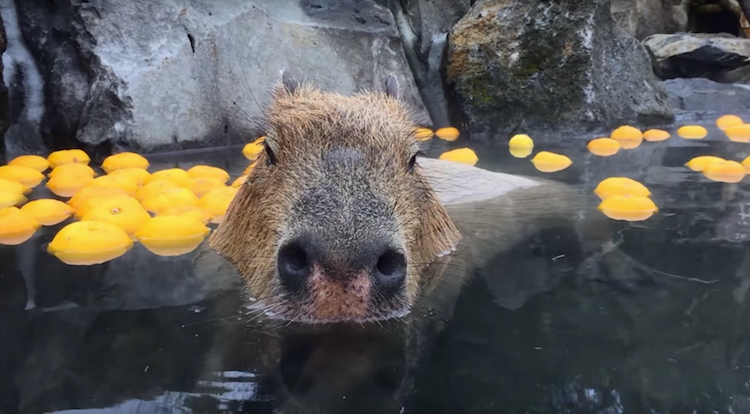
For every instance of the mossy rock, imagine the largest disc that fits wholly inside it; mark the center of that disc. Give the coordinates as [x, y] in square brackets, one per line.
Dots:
[550, 68]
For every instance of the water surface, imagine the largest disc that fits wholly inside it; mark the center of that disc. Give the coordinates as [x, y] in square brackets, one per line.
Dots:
[658, 323]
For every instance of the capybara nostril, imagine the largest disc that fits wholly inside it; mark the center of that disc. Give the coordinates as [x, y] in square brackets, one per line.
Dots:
[390, 270]
[293, 264]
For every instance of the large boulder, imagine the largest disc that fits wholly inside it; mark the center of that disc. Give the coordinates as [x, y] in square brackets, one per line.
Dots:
[550, 68]
[642, 18]
[692, 55]
[173, 74]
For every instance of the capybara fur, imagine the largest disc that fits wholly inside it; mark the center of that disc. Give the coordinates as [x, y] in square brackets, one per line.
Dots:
[336, 222]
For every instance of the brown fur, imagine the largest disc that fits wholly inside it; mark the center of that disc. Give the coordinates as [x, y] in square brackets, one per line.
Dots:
[303, 125]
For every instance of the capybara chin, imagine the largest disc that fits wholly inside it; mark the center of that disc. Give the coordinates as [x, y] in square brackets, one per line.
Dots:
[337, 221]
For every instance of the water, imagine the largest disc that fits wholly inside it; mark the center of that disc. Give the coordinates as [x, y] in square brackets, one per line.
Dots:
[657, 323]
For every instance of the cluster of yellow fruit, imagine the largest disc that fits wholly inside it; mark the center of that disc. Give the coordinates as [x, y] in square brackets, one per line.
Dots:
[115, 209]
[719, 169]
[628, 137]
[625, 199]
[521, 146]
[633, 202]
[450, 134]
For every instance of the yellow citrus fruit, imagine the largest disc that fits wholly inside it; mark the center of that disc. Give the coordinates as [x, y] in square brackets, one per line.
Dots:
[67, 184]
[725, 172]
[70, 156]
[194, 212]
[86, 193]
[47, 211]
[137, 175]
[124, 160]
[604, 147]
[738, 133]
[122, 182]
[692, 132]
[423, 134]
[126, 215]
[10, 185]
[628, 208]
[32, 161]
[16, 226]
[24, 175]
[549, 162]
[154, 187]
[107, 202]
[202, 185]
[252, 150]
[629, 137]
[447, 133]
[521, 146]
[620, 186]
[217, 202]
[207, 171]
[178, 176]
[172, 235]
[728, 121]
[11, 198]
[699, 163]
[81, 169]
[462, 155]
[170, 197]
[746, 164]
[655, 135]
[86, 243]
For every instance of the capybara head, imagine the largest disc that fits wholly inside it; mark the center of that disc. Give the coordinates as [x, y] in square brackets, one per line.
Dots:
[336, 222]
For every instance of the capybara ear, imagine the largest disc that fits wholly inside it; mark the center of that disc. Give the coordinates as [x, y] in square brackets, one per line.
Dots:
[392, 87]
[288, 82]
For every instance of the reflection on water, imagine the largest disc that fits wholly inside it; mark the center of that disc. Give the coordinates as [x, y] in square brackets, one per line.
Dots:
[656, 323]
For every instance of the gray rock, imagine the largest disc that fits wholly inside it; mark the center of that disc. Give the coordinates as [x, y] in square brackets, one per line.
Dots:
[3, 89]
[550, 68]
[702, 99]
[174, 74]
[432, 18]
[642, 18]
[424, 27]
[684, 55]
[25, 88]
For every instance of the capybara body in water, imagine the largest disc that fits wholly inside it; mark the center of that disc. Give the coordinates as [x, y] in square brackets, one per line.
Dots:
[339, 220]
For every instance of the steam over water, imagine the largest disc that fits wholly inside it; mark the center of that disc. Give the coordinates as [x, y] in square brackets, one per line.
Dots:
[656, 323]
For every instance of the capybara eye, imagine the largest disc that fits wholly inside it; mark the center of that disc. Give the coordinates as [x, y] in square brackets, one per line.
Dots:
[413, 161]
[270, 156]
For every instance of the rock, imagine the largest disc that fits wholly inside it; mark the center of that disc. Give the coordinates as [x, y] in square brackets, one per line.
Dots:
[642, 18]
[424, 27]
[687, 55]
[3, 89]
[24, 85]
[431, 19]
[550, 68]
[702, 99]
[174, 74]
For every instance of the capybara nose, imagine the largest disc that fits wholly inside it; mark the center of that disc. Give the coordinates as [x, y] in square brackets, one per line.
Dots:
[390, 271]
[300, 258]
[294, 264]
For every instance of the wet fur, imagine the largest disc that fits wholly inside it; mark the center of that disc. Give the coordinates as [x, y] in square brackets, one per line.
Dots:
[371, 134]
